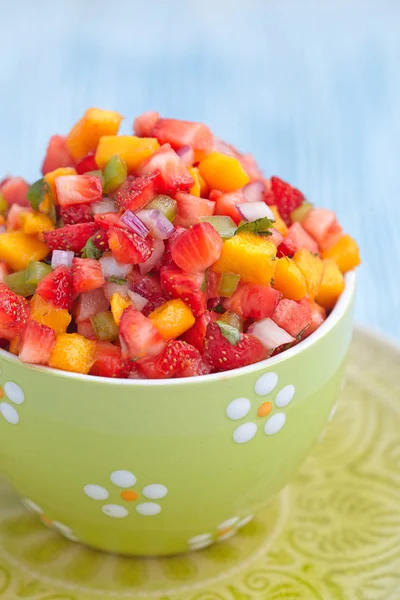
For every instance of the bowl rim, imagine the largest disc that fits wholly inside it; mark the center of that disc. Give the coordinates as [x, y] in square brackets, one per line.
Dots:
[337, 313]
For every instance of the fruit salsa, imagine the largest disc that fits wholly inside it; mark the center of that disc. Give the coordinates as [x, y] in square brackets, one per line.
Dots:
[166, 253]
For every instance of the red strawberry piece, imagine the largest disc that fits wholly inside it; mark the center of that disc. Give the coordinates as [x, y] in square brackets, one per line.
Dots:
[77, 213]
[78, 189]
[286, 198]
[138, 336]
[251, 301]
[177, 284]
[292, 316]
[108, 362]
[174, 176]
[14, 214]
[14, 190]
[70, 237]
[214, 303]
[196, 334]
[56, 288]
[213, 280]
[128, 247]
[100, 240]
[136, 192]
[106, 220]
[57, 155]
[296, 238]
[14, 313]
[226, 205]
[221, 355]
[215, 194]
[36, 344]
[143, 124]
[318, 316]
[178, 359]
[89, 304]
[85, 328]
[321, 224]
[191, 208]
[197, 248]
[87, 163]
[149, 288]
[184, 133]
[87, 275]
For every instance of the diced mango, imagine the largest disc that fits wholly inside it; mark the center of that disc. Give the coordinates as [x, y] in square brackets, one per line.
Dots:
[46, 314]
[86, 133]
[133, 150]
[345, 253]
[249, 255]
[17, 249]
[311, 267]
[332, 284]
[279, 224]
[35, 223]
[118, 304]
[223, 172]
[72, 352]
[289, 280]
[14, 346]
[172, 319]
[195, 190]
[51, 177]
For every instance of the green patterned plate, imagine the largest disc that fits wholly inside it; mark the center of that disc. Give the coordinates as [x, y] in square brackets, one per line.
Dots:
[334, 534]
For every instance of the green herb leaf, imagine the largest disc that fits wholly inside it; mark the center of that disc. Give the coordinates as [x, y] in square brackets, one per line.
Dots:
[298, 336]
[91, 251]
[229, 332]
[205, 281]
[259, 226]
[117, 280]
[219, 309]
[36, 193]
[51, 211]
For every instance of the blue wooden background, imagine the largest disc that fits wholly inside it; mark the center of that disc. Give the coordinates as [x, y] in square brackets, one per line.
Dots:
[311, 88]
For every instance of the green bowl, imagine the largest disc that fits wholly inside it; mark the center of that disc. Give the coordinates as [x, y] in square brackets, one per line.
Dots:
[146, 467]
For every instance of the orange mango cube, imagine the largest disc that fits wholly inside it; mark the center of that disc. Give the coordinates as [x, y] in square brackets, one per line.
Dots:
[279, 224]
[311, 267]
[72, 352]
[36, 223]
[133, 150]
[172, 319]
[289, 280]
[345, 253]
[118, 304]
[17, 249]
[332, 285]
[86, 133]
[223, 172]
[51, 177]
[46, 314]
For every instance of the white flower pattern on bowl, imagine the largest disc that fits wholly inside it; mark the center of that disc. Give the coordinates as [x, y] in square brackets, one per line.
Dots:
[239, 408]
[55, 525]
[16, 396]
[223, 531]
[125, 480]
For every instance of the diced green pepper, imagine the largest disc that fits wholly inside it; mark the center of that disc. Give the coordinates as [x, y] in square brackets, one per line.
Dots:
[104, 326]
[35, 271]
[3, 204]
[223, 225]
[299, 213]
[259, 226]
[114, 174]
[17, 284]
[166, 205]
[229, 332]
[231, 318]
[227, 284]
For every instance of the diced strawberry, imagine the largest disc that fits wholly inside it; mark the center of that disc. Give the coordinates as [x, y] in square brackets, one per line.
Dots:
[149, 288]
[100, 240]
[318, 316]
[14, 214]
[287, 198]
[295, 239]
[190, 208]
[56, 288]
[321, 224]
[85, 328]
[251, 301]
[14, 190]
[197, 248]
[106, 220]
[57, 155]
[136, 192]
[87, 275]
[108, 362]
[292, 316]
[333, 235]
[89, 304]
[178, 359]
[37, 343]
[70, 237]
[14, 313]
[184, 133]
[4, 271]
[196, 334]
[174, 175]
[213, 280]
[87, 163]
[226, 205]
[77, 213]
[144, 124]
[221, 355]
[138, 336]
[128, 247]
[78, 189]
[215, 194]
[187, 287]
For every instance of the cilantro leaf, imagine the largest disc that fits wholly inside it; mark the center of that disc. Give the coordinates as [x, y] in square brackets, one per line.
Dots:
[229, 332]
[36, 193]
[259, 226]
[117, 280]
[90, 250]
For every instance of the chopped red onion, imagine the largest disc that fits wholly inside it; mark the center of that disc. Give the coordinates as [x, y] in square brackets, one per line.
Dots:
[157, 223]
[254, 191]
[135, 224]
[276, 236]
[111, 288]
[251, 211]
[186, 154]
[154, 259]
[105, 206]
[61, 257]
[270, 334]
[111, 267]
[138, 301]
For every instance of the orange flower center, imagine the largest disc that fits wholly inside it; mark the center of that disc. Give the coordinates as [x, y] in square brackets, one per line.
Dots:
[129, 495]
[264, 409]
